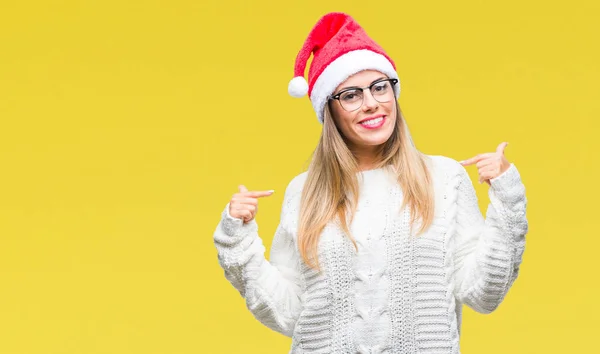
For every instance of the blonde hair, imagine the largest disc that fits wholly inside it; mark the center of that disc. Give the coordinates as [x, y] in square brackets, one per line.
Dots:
[331, 187]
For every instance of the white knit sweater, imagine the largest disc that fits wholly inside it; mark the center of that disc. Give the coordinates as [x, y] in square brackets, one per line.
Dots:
[398, 293]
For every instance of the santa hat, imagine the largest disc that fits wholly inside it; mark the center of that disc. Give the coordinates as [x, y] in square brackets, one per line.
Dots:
[340, 48]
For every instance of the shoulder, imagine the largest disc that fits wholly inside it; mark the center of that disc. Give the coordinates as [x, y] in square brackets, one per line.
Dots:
[293, 191]
[291, 200]
[444, 165]
[296, 185]
[448, 174]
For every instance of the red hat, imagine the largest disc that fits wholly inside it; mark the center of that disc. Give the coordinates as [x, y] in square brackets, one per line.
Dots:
[340, 48]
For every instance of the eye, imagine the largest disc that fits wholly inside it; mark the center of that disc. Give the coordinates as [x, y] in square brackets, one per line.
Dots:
[350, 96]
[380, 86]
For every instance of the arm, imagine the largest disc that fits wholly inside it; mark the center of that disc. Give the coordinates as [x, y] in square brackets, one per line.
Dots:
[488, 253]
[272, 290]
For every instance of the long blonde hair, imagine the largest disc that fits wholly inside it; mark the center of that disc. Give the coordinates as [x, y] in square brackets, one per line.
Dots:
[331, 187]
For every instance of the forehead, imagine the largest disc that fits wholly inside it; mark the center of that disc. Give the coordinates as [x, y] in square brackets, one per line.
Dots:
[361, 79]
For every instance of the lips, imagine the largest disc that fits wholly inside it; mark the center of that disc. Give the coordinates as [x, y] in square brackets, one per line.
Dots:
[371, 117]
[373, 123]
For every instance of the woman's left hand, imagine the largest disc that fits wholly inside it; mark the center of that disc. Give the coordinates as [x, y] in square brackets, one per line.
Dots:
[491, 164]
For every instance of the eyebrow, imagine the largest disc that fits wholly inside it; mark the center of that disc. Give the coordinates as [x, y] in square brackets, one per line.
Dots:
[355, 87]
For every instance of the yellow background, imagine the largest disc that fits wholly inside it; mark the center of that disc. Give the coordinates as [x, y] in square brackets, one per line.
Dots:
[125, 126]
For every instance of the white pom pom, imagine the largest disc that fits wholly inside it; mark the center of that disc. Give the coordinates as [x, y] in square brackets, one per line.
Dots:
[298, 87]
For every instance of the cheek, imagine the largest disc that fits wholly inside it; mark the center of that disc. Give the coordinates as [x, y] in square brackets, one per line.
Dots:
[391, 109]
[345, 122]
[393, 115]
[394, 118]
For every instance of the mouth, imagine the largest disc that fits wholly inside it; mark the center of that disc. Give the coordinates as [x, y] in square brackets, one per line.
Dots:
[373, 122]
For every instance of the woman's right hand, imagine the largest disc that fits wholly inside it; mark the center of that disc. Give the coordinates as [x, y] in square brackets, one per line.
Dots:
[244, 205]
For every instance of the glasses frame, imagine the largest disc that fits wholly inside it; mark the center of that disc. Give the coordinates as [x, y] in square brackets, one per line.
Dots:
[362, 89]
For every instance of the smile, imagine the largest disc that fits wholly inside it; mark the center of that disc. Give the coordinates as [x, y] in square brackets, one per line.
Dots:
[373, 122]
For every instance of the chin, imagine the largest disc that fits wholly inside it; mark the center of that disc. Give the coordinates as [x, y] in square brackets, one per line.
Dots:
[374, 142]
[375, 139]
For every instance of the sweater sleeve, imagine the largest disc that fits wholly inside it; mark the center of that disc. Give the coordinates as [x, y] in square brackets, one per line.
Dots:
[488, 253]
[272, 289]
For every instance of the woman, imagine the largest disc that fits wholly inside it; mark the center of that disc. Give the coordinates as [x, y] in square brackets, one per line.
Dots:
[379, 245]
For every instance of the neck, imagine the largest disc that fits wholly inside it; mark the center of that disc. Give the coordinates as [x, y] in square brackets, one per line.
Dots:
[366, 158]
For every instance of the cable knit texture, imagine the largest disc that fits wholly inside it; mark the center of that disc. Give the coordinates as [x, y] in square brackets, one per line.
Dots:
[399, 293]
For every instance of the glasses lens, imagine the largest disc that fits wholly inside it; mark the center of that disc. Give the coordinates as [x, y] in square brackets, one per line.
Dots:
[351, 100]
[382, 91]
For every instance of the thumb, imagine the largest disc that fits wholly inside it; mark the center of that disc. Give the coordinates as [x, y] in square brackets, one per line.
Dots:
[501, 147]
[242, 188]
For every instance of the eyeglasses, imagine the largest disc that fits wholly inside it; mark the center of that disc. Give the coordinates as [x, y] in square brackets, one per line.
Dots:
[352, 98]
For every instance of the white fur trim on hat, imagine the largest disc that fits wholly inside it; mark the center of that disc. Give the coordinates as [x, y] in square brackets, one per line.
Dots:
[342, 68]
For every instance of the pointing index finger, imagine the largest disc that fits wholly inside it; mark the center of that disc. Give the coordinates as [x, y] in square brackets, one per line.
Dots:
[259, 194]
[473, 160]
[470, 161]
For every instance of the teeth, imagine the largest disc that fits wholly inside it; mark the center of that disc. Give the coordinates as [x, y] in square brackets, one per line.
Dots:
[372, 121]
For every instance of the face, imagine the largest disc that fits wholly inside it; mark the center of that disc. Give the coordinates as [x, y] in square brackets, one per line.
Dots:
[368, 125]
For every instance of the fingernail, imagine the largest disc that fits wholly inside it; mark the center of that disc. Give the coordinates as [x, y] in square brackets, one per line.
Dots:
[271, 191]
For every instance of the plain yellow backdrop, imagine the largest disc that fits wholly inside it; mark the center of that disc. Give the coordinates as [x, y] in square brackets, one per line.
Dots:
[125, 127]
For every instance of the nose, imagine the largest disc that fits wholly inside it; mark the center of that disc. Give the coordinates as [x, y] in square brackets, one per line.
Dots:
[369, 102]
